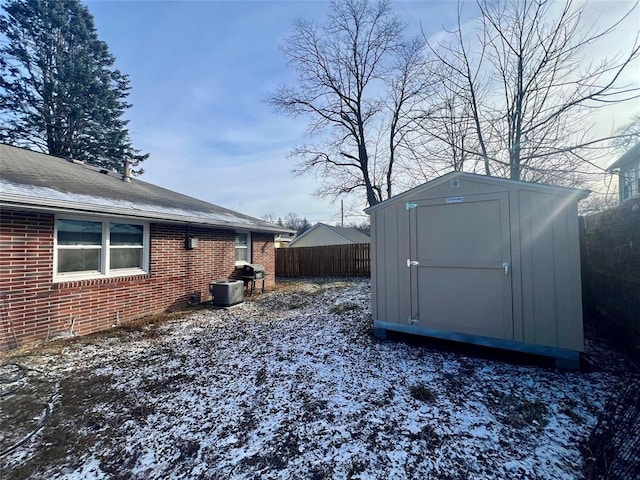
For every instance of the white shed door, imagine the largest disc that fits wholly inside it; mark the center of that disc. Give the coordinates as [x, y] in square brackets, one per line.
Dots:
[462, 279]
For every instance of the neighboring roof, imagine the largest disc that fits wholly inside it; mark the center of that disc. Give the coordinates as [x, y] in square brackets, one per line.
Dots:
[348, 234]
[281, 238]
[37, 181]
[631, 155]
[355, 236]
[474, 177]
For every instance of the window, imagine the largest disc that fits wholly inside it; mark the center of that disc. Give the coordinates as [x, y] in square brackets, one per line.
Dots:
[126, 242]
[96, 248]
[631, 180]
[243, 252]
[79, 246]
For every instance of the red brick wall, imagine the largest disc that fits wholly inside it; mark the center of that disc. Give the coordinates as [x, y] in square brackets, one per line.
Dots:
[34, 308]
[263, 252]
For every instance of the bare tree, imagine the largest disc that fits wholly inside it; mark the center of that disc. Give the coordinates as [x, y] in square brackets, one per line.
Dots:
[344, 68]
[627, 135]
[408, 85]
[294, 222]
[529, 88]
[270, 218]
[442, 136]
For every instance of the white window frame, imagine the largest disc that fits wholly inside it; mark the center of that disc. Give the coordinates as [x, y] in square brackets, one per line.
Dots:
[248, 247]
[105, 247]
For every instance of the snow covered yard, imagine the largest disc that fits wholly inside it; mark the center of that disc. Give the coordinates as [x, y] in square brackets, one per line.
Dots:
[290, 385]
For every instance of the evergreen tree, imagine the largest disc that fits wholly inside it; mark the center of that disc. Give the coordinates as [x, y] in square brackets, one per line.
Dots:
[59, 90]
[304, 226]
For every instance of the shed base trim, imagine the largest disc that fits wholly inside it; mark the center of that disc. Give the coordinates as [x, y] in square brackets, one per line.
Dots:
[564, 357]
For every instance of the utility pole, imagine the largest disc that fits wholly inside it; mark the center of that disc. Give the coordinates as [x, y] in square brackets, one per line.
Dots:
[341, 213]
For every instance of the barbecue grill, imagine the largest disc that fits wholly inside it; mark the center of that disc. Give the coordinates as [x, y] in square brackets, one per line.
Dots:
[252, 272]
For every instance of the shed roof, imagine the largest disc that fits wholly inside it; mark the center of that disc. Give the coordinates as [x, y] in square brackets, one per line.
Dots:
[37, 181]
[631, 155]
[351, 235]
[474, 177]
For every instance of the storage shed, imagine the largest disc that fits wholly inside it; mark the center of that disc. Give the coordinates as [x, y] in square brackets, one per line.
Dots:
[482, 260]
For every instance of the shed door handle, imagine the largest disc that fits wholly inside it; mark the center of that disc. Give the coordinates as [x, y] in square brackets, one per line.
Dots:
[412, 263]
[505, 265]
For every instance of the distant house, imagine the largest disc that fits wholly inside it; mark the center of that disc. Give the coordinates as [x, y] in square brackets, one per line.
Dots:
[84, 248]
[283, 241]
[322, 234]
[628, 167]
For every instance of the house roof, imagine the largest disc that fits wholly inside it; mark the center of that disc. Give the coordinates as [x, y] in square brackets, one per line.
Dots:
[474, 177]
[348, 234]
[37, 181]
[631, 155]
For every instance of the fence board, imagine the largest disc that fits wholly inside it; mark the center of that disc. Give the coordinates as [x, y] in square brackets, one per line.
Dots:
[330, 260]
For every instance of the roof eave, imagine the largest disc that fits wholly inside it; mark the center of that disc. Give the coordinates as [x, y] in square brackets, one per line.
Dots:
[61, 206]
[629, 156]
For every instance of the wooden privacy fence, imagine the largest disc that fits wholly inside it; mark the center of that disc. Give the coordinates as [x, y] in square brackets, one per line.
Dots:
[331, 260]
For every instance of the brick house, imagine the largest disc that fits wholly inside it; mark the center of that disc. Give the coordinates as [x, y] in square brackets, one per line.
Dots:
[83, 249]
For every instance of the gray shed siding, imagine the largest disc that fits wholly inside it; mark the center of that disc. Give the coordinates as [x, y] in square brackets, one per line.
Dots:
[550, 287]
[390, 282]
[546, 305]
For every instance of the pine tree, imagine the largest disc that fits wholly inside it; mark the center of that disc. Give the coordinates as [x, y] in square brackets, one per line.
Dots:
[59, 90]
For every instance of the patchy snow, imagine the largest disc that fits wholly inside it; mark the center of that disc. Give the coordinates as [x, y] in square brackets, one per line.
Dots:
[293, 385]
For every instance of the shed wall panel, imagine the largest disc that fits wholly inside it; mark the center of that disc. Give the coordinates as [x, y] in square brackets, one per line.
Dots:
[391, 300]
[516, 265]
[390, 263]
[378, 279]
[539, 282]
[569, 298]
[550, 269]
[562, 276]
[404, 277]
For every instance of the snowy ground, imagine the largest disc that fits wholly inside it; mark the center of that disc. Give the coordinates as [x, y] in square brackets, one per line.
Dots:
[291, 385]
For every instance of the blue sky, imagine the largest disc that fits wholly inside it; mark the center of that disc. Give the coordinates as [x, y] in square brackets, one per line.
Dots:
[200, 72]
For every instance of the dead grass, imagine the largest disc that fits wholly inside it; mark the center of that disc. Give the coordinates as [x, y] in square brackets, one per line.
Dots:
[423, 393]
[517, 411]
[344, 307]
[71, 428]
[144, 326]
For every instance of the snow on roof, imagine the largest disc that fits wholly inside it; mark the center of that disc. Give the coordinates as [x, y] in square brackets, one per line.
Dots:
[38, 181]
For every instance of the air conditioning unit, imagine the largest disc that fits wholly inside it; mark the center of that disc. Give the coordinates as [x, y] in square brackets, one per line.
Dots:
[227, 293]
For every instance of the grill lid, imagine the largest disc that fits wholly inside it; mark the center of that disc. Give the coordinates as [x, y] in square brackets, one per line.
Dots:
[253, 269]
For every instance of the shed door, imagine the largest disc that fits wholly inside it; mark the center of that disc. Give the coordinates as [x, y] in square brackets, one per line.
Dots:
[460, 283]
